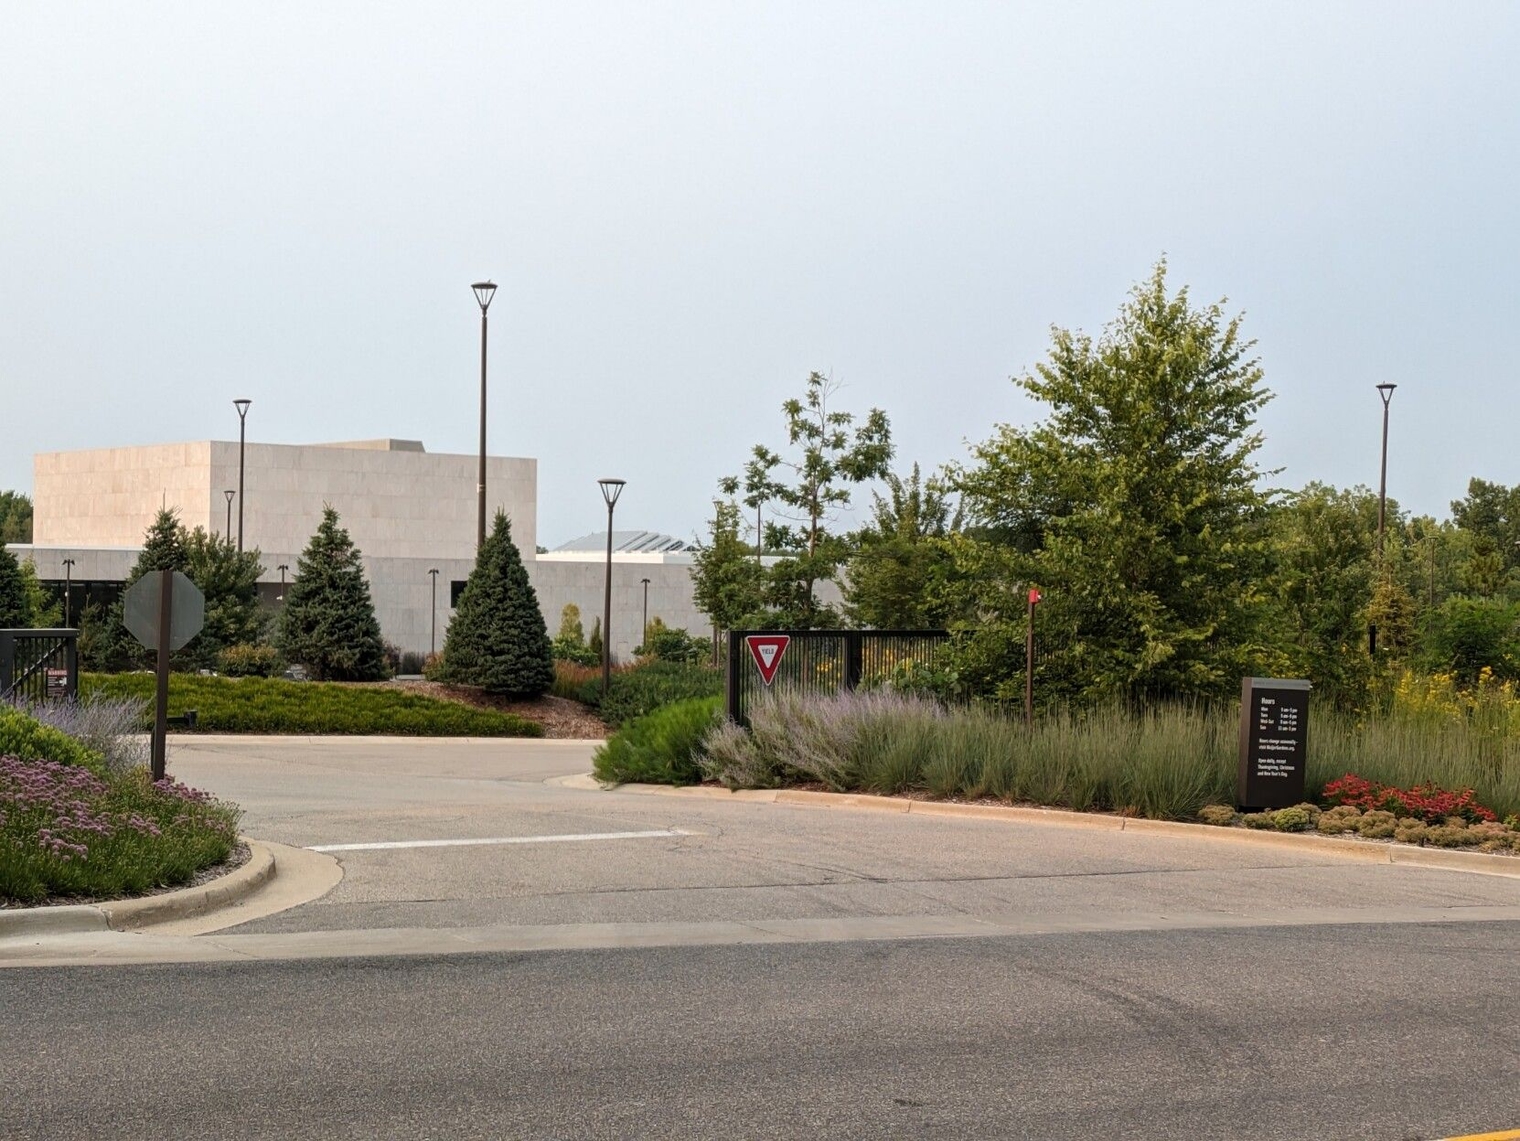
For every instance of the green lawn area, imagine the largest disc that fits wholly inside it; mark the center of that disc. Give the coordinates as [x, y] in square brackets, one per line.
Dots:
[274, 705]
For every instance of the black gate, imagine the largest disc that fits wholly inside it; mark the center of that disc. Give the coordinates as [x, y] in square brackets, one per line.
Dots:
[823, 662]
[39, 665]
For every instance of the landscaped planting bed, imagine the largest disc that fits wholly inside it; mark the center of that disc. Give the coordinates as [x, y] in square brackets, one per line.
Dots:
[274, 705]
[1171, 763]
[73, 827]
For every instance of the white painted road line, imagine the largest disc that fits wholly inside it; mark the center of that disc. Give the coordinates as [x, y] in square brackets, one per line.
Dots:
[388, 844]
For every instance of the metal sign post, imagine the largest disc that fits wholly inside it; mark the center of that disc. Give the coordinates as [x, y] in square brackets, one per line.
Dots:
[161, 704]
[1034, 600]
[163, 613]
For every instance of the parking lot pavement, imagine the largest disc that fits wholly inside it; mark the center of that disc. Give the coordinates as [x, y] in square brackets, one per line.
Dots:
[467, 834]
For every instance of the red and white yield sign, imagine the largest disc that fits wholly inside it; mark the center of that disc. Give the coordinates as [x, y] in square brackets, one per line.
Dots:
[767, 649]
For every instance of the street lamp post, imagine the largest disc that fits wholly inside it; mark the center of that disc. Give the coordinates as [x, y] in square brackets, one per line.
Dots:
[68, 590]
[227, 534]
[433, 637]
[282, 568]
[645, 627]
[611, 489]
[242, 410]
[484, 291]
[1385, 390]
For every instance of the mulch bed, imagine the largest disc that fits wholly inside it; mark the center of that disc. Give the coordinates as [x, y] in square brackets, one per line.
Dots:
[562, 719]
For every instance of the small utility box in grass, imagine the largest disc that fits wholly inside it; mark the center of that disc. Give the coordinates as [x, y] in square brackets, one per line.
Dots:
[1274, 736]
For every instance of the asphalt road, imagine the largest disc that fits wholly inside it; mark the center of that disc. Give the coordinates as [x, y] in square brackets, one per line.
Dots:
[1330, 1032]
[630, 965]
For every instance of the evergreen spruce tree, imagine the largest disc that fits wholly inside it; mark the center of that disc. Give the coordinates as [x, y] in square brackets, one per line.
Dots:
[163, 549]
[498, 639]
[328, 624]
[15, 606]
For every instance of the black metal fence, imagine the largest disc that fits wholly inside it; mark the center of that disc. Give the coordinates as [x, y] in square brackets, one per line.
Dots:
[823, 662]
[39, 665]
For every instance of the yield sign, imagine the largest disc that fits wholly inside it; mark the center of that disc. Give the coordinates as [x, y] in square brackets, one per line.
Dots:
[767, 649]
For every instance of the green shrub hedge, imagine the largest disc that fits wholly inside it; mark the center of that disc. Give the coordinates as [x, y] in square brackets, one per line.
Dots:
[273, 705]
[660, 747]
[643, 689]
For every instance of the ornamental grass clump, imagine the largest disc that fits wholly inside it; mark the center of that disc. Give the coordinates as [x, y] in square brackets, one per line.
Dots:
[66, 830]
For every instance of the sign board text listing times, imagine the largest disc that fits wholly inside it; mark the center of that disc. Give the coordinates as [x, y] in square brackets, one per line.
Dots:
[1274, 736]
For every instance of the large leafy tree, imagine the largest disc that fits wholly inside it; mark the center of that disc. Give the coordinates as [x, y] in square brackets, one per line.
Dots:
[1489, 516]
[827, 454]
[328, 624]
[899, 574]
[726, 577]
[15, 517]
[1323, 541]
[1134, 506]
[498, 639]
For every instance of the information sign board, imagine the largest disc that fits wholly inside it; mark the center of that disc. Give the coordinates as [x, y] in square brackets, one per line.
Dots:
[1274, 735]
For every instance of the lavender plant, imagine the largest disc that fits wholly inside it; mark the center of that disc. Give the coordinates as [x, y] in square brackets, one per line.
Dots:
[109, 726]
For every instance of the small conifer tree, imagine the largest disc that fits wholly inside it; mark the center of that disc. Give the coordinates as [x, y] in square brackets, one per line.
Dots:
[498, 639]
[328, 624]
[571, 632]
[15, 606]
[594, 643]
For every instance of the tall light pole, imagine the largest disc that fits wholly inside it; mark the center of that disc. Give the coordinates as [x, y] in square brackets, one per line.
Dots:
[484, 291]
[68, 590]
[282, 568]
[645, 635]
[242, 410]
[1385, 390]
[611, 489]
[227, 534]
[433, 637]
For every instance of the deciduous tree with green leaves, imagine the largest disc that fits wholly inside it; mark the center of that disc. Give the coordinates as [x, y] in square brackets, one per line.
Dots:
[1134, 506]
[498, 640]
[15, 517]
[898, 577]
[328, 624]
[828, 454]
[726, 578]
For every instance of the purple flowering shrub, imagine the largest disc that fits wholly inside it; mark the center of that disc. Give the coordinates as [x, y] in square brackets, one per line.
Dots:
[67, 830]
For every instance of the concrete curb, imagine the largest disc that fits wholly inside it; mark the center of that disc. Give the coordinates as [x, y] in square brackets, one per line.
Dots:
[1370, 851]
[132, 914]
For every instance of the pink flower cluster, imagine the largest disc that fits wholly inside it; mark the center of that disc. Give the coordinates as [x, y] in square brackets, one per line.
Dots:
[62, 807]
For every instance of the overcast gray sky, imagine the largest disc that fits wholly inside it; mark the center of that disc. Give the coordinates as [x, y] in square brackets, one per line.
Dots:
[690, 206]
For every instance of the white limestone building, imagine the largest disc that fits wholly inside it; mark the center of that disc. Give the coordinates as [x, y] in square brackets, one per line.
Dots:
[408, 511]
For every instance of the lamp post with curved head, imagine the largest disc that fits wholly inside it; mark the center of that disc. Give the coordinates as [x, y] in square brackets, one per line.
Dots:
[1385, 390]
[227, 534]
[484, 291]
[68, 590]
[433, 637]
[645, 628]
[611, 489]
[242, 410]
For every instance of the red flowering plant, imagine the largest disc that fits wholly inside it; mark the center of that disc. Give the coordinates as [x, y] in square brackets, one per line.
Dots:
[1424, 802]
